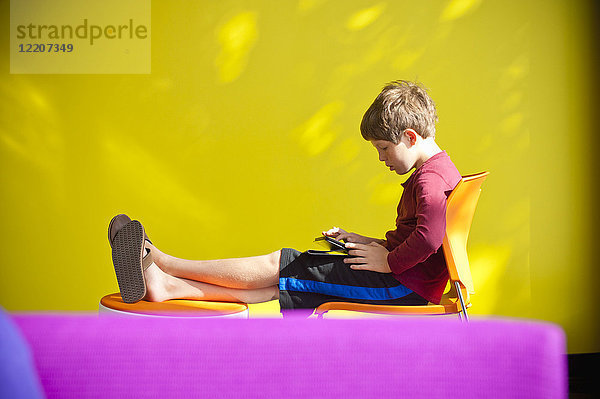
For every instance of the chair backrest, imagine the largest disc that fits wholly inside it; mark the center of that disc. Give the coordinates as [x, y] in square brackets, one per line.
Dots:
[460, 209]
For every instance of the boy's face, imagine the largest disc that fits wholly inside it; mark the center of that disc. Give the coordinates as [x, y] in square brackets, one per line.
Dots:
[398, 157]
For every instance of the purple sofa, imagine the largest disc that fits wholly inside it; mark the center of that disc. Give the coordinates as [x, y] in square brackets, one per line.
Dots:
[86, 356]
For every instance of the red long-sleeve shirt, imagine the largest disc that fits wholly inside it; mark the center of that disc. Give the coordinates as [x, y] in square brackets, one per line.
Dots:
[416, 257]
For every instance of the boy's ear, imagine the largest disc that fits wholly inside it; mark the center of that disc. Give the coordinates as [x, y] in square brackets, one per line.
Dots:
[411, 135]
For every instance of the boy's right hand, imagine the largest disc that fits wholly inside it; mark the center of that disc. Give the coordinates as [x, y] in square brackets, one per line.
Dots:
[343, 235]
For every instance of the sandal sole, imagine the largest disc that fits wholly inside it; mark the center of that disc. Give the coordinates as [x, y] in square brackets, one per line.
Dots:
[121, 219]
[127, 253]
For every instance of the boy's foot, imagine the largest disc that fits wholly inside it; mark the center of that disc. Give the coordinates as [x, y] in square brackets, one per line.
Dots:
[161, 259]
[157, 284]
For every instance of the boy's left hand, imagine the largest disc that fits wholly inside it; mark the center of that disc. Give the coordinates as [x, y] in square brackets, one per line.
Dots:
[371, 256]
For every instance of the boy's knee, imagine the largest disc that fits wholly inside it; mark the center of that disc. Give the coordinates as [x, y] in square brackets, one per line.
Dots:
[275, 259]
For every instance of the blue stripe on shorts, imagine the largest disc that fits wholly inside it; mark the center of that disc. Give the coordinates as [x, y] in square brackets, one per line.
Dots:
[343, 291]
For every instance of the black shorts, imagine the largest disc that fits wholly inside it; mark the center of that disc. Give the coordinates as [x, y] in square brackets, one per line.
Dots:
[307, 281]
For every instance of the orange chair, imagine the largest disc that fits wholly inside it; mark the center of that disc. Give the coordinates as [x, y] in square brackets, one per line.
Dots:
[460, 209]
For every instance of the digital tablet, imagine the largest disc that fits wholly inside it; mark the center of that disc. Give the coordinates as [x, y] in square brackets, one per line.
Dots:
[331, 243]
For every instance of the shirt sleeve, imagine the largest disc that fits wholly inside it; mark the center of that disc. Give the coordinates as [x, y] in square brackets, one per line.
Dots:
[428, 235]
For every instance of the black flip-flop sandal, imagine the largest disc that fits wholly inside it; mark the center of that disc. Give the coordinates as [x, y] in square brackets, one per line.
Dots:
[130, 262]
[116, 224]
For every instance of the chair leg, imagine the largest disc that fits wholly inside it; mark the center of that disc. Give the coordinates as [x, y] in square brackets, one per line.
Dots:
[462, 301]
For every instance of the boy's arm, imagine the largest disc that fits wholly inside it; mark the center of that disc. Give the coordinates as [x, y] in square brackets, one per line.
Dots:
[427, 237]
[425, 240]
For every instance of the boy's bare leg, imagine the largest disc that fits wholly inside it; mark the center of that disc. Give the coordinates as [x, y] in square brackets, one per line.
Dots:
[162, 286]
[240, 273]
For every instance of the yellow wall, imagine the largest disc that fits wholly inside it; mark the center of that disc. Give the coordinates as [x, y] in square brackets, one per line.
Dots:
[244, 139]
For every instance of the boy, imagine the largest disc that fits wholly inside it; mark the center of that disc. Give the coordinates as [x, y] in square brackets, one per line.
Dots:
[407, 267]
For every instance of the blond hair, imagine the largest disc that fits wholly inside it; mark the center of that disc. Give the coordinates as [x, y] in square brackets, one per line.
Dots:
[401, 105]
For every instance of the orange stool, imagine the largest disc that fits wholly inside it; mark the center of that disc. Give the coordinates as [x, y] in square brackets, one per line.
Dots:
[180, 308]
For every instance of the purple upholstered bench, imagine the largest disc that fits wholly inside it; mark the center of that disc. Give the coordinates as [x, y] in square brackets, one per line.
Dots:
[104, 357]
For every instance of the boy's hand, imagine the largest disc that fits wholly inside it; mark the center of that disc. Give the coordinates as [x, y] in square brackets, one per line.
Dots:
[343, 235]
[368, 257]
[334, 232]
